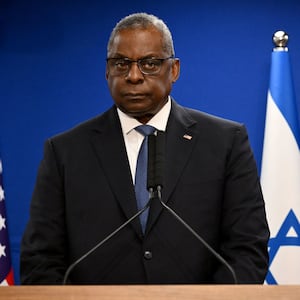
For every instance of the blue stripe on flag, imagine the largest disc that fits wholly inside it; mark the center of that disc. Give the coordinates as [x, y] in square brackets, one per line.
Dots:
[282, 90]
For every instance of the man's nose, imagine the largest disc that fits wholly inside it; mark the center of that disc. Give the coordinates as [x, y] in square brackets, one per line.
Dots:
[134, 73]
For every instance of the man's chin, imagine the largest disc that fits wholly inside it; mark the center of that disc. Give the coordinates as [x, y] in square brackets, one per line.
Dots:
[134, 112]
[141, 116]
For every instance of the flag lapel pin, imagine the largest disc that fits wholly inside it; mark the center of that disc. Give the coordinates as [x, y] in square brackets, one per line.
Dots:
[187, 137]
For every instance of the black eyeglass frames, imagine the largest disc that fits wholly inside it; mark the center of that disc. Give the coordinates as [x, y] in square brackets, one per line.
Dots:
[122, 65]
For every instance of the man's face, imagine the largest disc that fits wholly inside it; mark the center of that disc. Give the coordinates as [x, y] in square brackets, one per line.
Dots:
[136, 94]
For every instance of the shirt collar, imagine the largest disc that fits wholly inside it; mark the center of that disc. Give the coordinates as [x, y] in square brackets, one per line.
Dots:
[159, 121]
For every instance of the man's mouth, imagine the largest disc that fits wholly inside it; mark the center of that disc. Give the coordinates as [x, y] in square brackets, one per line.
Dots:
[135, 96]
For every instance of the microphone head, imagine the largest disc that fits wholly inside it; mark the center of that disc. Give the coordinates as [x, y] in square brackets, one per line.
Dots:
[160, 156]
[156, 160]
[151, 161]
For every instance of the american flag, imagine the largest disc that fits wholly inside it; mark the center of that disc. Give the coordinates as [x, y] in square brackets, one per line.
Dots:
[6, 272]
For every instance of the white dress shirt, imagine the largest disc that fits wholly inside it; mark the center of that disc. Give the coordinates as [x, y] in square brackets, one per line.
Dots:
[133, 139]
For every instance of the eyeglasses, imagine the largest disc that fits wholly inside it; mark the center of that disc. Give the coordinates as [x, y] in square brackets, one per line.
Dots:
[147, 66]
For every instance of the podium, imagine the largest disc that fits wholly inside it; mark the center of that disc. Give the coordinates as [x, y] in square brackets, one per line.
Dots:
[152, 292]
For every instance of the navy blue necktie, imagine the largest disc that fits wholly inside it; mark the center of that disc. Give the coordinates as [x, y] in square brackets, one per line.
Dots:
[141, 192]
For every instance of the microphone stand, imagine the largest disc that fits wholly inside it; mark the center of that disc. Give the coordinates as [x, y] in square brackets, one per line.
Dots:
[154, 187]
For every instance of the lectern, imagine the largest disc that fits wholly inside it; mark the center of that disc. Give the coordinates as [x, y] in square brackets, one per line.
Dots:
[152, 292]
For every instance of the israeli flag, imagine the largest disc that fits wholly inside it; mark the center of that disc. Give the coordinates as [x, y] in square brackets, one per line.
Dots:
[280, 174]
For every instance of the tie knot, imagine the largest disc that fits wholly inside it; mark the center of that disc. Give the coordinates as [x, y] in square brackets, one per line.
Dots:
[145, 129]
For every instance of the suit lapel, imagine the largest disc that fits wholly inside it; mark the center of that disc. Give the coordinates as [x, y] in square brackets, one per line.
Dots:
[179, 136]
[109, 146]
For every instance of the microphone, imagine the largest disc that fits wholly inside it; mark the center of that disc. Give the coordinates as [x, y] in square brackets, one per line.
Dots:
[159, 159]
[107, 238]
[156, 161]
[151, 160]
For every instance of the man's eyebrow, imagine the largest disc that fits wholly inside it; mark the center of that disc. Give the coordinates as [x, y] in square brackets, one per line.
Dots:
[119, 55]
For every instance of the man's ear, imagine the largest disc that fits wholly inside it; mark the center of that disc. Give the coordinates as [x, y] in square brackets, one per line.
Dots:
[175, 69]
[106, 72]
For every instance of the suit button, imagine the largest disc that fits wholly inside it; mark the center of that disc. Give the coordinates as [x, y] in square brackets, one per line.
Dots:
[147, 254]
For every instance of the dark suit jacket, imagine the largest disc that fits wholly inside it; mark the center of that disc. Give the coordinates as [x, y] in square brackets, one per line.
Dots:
[84, 191]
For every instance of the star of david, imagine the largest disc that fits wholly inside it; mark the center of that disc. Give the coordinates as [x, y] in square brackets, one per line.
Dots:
[282, 239]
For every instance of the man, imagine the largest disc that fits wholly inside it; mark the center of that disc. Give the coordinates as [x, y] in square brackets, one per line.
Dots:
[85, 185]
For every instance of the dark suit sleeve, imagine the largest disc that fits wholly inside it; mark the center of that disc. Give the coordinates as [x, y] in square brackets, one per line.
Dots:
[244, 228]
[43, 260]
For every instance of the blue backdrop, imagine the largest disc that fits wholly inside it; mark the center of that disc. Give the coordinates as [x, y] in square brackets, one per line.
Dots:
[52, 64]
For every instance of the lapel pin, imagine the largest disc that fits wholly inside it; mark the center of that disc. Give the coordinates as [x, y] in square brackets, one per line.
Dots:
[188, 137]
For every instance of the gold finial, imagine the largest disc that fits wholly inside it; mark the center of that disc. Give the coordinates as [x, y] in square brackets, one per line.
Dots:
[280, 40]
